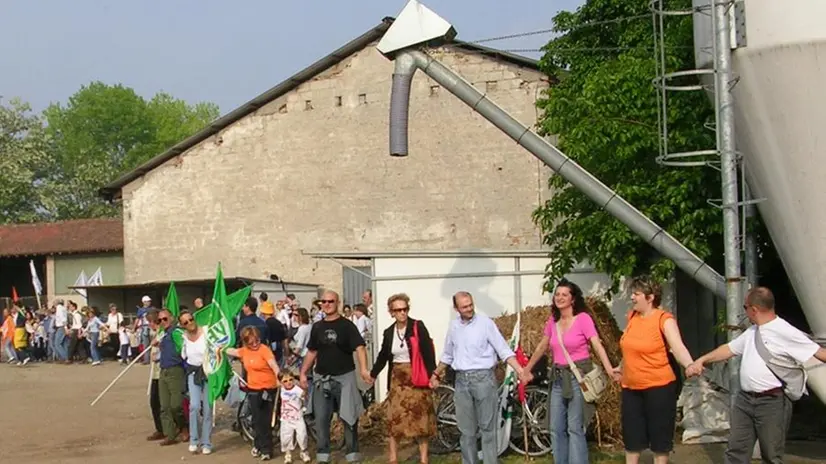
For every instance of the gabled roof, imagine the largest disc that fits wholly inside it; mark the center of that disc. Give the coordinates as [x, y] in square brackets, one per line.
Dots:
[113, 189]
[55, 238]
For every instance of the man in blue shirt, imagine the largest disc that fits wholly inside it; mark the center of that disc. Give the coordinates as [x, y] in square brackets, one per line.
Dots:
[248, 317]
[473, 347]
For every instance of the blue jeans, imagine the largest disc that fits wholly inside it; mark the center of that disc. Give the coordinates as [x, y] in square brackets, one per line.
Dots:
[50, 352]
[567, 427]
[93, 346]
[477, 402]
[60, 348]
[323, 408]
[145, 343]
[8, 347]
[200, 430]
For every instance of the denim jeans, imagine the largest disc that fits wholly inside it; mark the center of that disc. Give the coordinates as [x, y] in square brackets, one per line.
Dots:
[8, 347]
[200, 430]
[145, 343]
[323, 408]
[93, 346]
[50, 353]
[477, 401]
[60, 348]
[567, 427]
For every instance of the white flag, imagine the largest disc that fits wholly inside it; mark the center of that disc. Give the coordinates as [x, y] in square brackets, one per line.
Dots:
[38, 287]
[81, 282]
[96, 279]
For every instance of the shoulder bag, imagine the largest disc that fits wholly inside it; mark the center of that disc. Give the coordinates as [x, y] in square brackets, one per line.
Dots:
[418, 369]
[792, 377]
[593, 383]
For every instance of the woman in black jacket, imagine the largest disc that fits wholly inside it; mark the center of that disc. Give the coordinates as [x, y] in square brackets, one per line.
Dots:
[410, 412]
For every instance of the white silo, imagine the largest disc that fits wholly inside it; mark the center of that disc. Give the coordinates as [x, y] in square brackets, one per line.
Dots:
[780, 108]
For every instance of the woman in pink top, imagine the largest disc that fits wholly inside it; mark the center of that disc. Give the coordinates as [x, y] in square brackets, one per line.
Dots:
[569, 417]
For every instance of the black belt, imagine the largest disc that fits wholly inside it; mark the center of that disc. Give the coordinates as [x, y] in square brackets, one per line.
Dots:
[777, 391]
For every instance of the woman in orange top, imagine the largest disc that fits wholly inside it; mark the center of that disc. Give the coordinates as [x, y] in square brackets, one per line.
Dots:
[649, 383]
[262, 381]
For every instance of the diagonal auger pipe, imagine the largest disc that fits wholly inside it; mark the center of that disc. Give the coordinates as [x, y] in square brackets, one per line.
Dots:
[408, 61]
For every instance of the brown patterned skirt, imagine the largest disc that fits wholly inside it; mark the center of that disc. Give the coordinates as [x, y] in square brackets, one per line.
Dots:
[410, 412]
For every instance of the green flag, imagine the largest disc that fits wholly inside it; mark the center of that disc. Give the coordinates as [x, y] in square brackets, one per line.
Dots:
[217, 319]
[171, 302]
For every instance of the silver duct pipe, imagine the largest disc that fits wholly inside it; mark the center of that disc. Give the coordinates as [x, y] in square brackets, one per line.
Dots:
[581, 179]
[400, 104]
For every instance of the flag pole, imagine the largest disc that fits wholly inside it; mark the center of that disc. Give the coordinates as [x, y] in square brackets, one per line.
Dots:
[125, 369]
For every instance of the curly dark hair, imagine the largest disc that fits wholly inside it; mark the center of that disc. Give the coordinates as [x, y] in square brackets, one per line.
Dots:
[576, 293]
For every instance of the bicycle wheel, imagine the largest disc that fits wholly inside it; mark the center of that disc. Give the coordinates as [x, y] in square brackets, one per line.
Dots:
[447, 429]
[244, 418]
[536, 416]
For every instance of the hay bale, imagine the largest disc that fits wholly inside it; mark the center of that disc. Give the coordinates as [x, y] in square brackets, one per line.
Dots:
[606, 428]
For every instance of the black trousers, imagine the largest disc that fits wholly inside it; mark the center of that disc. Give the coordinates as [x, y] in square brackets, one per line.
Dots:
[261, 410]
[155, 405]
[76, 349]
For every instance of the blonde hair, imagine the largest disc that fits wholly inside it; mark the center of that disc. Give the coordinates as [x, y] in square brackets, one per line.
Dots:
[249, 333]
[398, 297]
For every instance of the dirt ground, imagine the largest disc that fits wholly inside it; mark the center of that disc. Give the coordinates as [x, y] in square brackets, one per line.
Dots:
[45, 417]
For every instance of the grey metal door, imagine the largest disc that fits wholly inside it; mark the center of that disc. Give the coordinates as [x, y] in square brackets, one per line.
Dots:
[355, 284]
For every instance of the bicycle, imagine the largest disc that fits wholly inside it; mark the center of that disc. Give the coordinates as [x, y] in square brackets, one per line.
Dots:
[536, 415]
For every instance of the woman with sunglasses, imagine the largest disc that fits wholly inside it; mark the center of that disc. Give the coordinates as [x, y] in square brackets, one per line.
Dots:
[410, 414]
[262, 381]
[194, 353]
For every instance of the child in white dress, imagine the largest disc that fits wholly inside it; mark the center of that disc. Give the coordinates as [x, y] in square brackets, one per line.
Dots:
[293, 427]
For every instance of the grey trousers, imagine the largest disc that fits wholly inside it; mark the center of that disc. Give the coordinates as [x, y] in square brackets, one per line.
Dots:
[477, 400]
[758, 417]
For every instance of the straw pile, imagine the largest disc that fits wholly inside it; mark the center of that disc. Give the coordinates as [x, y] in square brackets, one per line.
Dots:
[606, 428]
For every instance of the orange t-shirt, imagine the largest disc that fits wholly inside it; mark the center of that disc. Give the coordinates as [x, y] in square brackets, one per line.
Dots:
[259, 373]
[644, 352]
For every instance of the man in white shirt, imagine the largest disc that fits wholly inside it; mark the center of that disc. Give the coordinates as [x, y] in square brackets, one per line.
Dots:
[763, 408]
[61, 322]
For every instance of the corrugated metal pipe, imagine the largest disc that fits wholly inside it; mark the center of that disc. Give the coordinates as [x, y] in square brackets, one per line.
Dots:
[400, 104]
[406, 64]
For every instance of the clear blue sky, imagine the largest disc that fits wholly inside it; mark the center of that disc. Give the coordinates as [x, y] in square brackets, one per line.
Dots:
[208, 50]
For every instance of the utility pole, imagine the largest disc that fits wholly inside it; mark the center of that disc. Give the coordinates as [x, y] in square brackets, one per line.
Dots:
[729, 161]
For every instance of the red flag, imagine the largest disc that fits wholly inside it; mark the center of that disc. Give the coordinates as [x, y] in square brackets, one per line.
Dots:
[523, 361]
[14, 296]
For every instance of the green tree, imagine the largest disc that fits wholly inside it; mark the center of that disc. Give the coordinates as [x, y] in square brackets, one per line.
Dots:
[25, 160]
[104, 131]
[604, 110]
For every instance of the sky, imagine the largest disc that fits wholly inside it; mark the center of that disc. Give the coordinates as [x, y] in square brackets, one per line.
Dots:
[226, 52]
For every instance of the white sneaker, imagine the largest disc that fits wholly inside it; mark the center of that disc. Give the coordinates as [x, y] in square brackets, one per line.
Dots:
[96, 363]
[288, 457]
[193, 448]
[206, 450]
[26, 361]
[305, 457]
[255, 453]
[19, 363]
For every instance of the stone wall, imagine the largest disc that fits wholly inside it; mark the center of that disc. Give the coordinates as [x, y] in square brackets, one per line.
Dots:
[310, 171]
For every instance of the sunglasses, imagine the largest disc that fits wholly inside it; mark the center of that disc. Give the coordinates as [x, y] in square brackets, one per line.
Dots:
[327, 301]
[186, 321]
[400, 310]
[163, 319]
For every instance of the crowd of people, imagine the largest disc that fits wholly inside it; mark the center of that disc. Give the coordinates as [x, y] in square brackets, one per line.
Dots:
[311, 363]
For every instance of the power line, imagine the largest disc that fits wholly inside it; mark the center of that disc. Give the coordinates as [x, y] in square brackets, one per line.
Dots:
[590, 49]
[546, 31]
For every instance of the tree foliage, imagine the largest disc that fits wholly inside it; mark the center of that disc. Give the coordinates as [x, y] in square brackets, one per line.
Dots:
[25, 161]
[104, 131]
[604, 111]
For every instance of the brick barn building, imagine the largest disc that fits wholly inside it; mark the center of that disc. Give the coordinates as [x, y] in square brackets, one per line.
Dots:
[305, 167]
